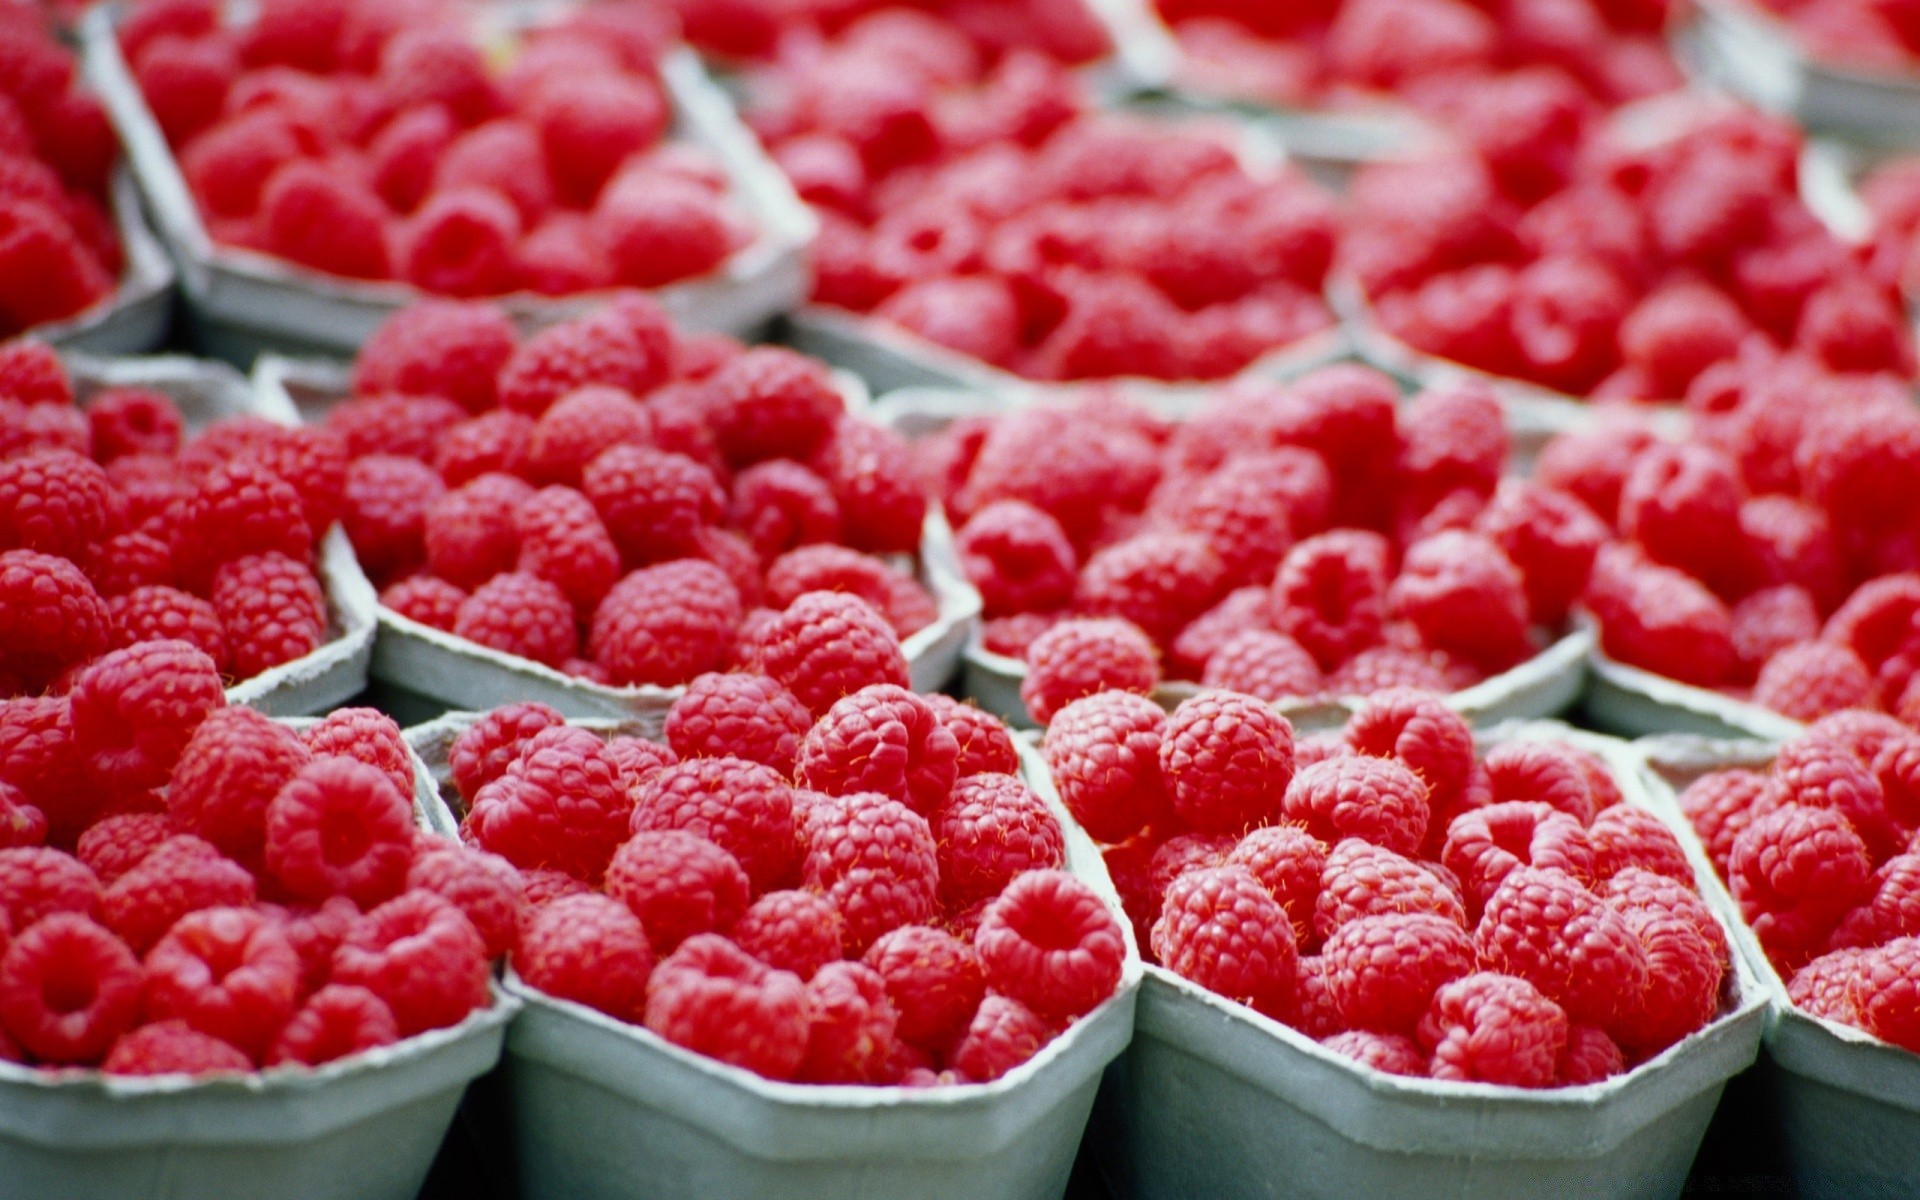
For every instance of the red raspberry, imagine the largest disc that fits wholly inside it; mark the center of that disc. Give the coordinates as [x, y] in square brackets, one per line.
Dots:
[1464, 596]
[1660, 619]
[1795, 871]
[133, 710]
[428, 64]
[1243, 610]
[32, 374]
[482, 753]
[1772, 620]
[502, 155]
[470, 533]
[1637, 888]
[51, 619]
[541, 887]
[229, 972]
[1330, 594]
[1493, 1028]
[130, 560]
[1721, 804]
[1547, 927]
[1819, 771]
[1393, 1053]
[1682, 991]
[27, 428]
[1003, 1034]
[1269, 666]
[1361, 796]
[1050, 942]
[1243, 517]
[228, 774]
[1825, 987]
[986, 744]
[1548, 772]
[1010, 637]
[712, 998]
[446, 348]
[113, 846]
[174, 1048]
[869, 467]
[53, 501]
[667, 624]
[824, 568]
[461, 242]
[743, 807]
[678, 883]
[1682, 505]
[790, 931]
[340, 827]
[742, 716]
[1452, 437]
[1081, 657]
[780, 504]
[520, 614]
[1593, 466]
[1877, 618]
[1104, 752]
[271, 609]
[68, 990]
[1095, 469]
[484, 886]
[579, 427]
[39, 881]
[1551, 537]
[238, 510]
[592, 350]
[826, 645]
[1813, 679]
[181, 875]
[1288, 862]
[43, 763]
[589, 949]
[148, 614]
[639, 759]
[771, 402]
[497, 440]
[654, 503]
[335, 1022]
[366, 734]
[935, 981]
[394, 424]
[1590, 1057]
[1226, 761]
[1382, 971]
[991, 830]
[1852, 460]
[563, 541]
[1792, 542]
[1221, 929]
[1158, 581]
[387, 497]
[1885, 995]
[1624, 836]
[561, 803]
[228, 165]
[1362, 880]
[317, 217]
[875, 859]
[419, 954]
[590, 126]
[881, 739]
[1485, 845]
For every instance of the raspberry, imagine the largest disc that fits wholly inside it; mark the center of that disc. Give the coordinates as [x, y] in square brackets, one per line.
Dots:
[826, 645]
[986, 744]
[52, 501]
[639, 759]
[562, 540]
[483, 752]
[316, 217]
[1221, 929]
[1815, 770]
[428, 64]
[790, 931]
[227, 776]
[881, 739]
[130, 560]
[852, 1032]
[561, 803]
[1271, 667]
[678, 883]
[336, 1021]
[666, 624]
[39, 881]
[1288, 861]
[155, 613]
[1795, 871]
[824, 568]
[743, 716]
[1772, 620]
[1624, 836]
[1393, 1053]
[520, 614]
[1682, 991]
[1227, 761]
[32, 374]
[181, 875]
[770, 402]
[712, 998]
[470, 534]
[990, 831]
[1362, 880]
[1485, 845]
[395, 424]
[1660, 619]
[1158, 581]
[420, 955]
[1464, 596]
[1825, 987]
[574, 354]
[1793, 543]
[1011, 637]
[174, 1048]
[1243, 610]
[1330, 594]
[448, 348]
[1081, 657]
[238, 510]
[1452, 437]
[1104, 752]
[743, 807]
[1547, 772]
[780, 504]
[1813, 679]
[875, 859]
[1494, 1028]
[1551, 537]
[1003, 1034]
[21, 824]
[366, 734]
[1360, 796]
[590, 126]
[387, 497]
[869, 467]
[1382, 971]
[483, 886]
[659, 230]
[229, 972]
[68, 990]
[1543, 925]
[1721, 804]
[51, 619]
[133, 710]
[271, 609]
[654, 503]
[1050, 942]
[340, 827]
[1877, 618]
[1884, 992]
[935, 981]
[589, 949]
[504, 156]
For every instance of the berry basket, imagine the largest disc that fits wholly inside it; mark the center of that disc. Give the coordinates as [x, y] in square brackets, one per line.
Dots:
[428, 661]
[597, 1104]
[364, 1128]
[243, 302]
[1845, 1100]
[135, 318]
[1213, 1099]
[206, 392]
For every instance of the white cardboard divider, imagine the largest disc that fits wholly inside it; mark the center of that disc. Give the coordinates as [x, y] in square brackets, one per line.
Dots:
[1636, 703]
[1215, 1100]
[1848, 1103]
[135, 319]
[604, 1110]
[245, 302]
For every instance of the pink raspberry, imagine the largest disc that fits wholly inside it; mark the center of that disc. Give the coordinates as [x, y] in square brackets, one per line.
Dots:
[1590, 1057]
[1393, 1053]
[482, 753]
[340, 827]
[826, 645]
[229, 972]
[851, 1036]
[1362, 880]
[743, 807]
[991, 830]
[562, 540]
[739, 715]
[935, 981]
[174, 1048]
[1825, 987]
[791, 931]
[1003, 1034]
[336, 1021]
[1049, 942]
[1104, 752]
[678, 883]
[839, 569]
[654, 503]
[986, 744]
[130, 560]
[1494, 1028]
[1485, 845]
[366, 734]
[1551, 536]
[522, 615]
[485, 887]
[589, 949]
[1243, 610]
[882, 506]
[1288, 862]
[1682, 991]
[639, 760]
[391, 424]
[1081, 657]
[592, 350]
[1361, 796]
[40, 881]
[665, 625]
[1812, 679]
[1877, 618]
[712, 998]
[227, 776]
[1330, 594]
[1624, 836]
[881, 739]
[181, 875]
[561, 803]
[133, 710]
[771, 402]
[1271, 667]
[1816, 770]
[1221, 929]
[1795, 871]
[1424, 734]
[1158, 581]
[52, 618]
[418, 953]
[1545, 926]
[1382, 971]
[68, 990]
[1227, 761]
[875, 859]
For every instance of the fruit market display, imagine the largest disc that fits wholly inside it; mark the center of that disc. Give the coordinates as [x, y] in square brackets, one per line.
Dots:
[192, 889]
[756, 30]
[1505, 919]
[1818, 852]
[1878, 39]
[1482, 60]
[620, 501]
[60, 251]
[368, 140]
[1620, 269]
[117, 526]
[1288, 541]
[860, 893]
[987, 207]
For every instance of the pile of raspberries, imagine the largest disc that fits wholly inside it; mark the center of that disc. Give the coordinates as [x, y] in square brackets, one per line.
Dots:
[1881, 39]
[1820, 852]
[1067, 30]
[864, 893]
[1619, 270]
[987, 207]
[377, 141]
[1286, 540]
[621, 502]
[1507, 919]
[60, 251]
[116, 528]
[1506, 71]
[192, 888]
[1774, 554]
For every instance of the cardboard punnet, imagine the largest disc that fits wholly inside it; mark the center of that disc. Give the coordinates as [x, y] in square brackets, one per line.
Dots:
[1635, 703]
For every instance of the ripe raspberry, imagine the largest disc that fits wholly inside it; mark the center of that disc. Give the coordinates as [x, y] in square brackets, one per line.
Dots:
[1382, 971]
[563, 541]
[589, 949]
[780, 504]
[1793, 543]
[368, 735]
[1330, 594]
[51, 618]
[743, 807]
[654, 503]
[1721, 804]
[1158, 581]
[419, 954]
[1003, 1034]
[1772, 620]
[1243, 610]
[1812, 679]
[1011, 637]
[579, 427]
[678, 883]
[869, 467]
[1082, 657]
[852, 1032]
[1486, 845]
[386, 502]
[1825, 987]
[771, 402]
[712, 998]
[935, 981]
[1660, 619]
[639, 759]
[990, 831]
[395, 424]
[130, 560]
[113, 846]
[1545, 926]
[447, 348]
[68, 990]
[336, 1021]
[39, 881]
[181, 875]
[828, 569]
[483, 886]
[1821, 772]
[881, 739]
[1877, 618]
[1393, 1053]
[742, 716]
[133, 710]
[470, 534]
[875, 859]
[1682, 505]
[826, 645]
[1050, 942]
[790, 931]
[665, 625]
[53, 501]
[174, 1048]
[1682, 991]
[1624, 836]
[520, 614]
[1547, 772]
[1227, 761]
[1551, 537]
[148, 614]
[229, 972]
[1221, 929]
[1243, 511]
[239, 509]
[32, 374]
[227, 776]
[1271, 667]
[1464, 596]
[574, 354]
[340, 828]
[1885, 994]
[1104, 752]
[482, 753]
[316, 217]
[561, 803]
[1795, 871]
[1362, 880]
[1493, 1028]
[1361, 796]
[271, 609]
[986, 744]
[496, 440]
[1288, 862]
[1851, 462]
